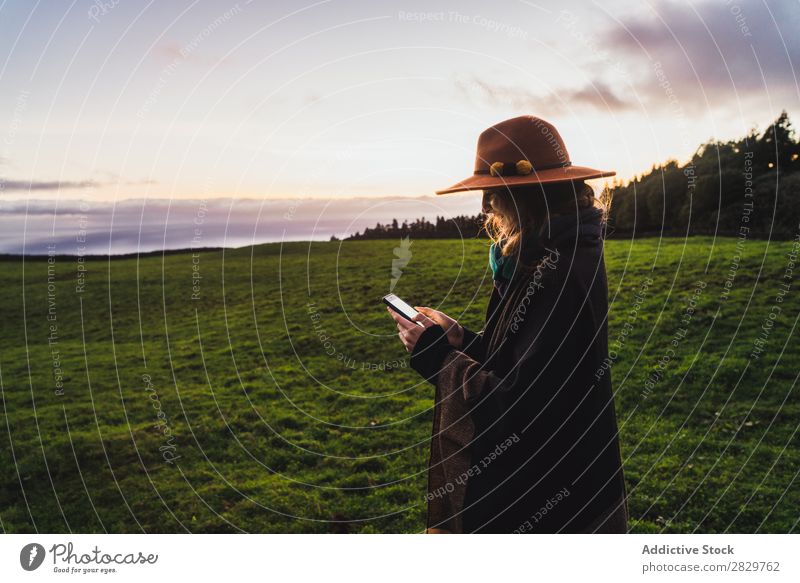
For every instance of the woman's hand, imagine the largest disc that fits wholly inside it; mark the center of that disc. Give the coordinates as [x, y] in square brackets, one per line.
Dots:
[410, 332]
[455, 331]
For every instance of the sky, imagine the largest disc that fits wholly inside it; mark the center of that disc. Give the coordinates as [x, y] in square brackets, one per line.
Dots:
[109, 100]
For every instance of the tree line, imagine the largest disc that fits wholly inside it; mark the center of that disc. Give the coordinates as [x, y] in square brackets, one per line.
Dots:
[749, 186]
[462, 226]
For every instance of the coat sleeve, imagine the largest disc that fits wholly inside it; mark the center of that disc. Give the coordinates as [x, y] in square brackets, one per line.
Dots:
[544, 351]
[472, 344]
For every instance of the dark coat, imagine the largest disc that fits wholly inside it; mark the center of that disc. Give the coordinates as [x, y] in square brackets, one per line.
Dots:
[525, 434]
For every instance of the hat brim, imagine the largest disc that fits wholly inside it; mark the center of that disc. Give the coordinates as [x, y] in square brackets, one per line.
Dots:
[486, 181]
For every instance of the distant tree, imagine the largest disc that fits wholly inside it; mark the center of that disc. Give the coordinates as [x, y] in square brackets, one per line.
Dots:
[777, 147]
[421, 228]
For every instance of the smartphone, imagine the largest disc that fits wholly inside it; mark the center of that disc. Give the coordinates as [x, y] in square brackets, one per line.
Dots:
[400, 307]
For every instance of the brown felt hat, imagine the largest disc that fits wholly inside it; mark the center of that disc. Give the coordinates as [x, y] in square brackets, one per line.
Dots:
[521, 151]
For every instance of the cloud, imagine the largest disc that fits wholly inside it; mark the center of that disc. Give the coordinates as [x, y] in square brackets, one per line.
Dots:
[172, 54]
[38, 185]
[144, 225]
[711, 51]
[168, 52]
[598, 96]
[44, 185]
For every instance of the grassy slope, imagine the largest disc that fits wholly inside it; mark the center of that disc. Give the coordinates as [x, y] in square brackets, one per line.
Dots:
[281, 426]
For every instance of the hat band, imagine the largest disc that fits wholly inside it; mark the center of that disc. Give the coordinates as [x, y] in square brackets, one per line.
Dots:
[513, 169]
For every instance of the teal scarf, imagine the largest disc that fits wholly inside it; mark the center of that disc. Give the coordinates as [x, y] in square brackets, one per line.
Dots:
[502, 266]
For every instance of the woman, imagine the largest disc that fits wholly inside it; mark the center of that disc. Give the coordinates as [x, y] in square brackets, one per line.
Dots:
[525, 434]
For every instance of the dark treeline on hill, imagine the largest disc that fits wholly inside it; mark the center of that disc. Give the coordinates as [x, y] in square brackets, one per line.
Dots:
[748, 187]
[726, 188]
[462, 226]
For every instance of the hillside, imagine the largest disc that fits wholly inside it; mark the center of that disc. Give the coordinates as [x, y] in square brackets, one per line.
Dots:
[263, 389]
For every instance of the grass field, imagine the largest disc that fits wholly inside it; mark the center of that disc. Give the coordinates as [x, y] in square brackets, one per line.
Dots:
[280, 400]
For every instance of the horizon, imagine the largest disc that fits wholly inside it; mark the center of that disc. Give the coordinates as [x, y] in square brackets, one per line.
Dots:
[39, 227]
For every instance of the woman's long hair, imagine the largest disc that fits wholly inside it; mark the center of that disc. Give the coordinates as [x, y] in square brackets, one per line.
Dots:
[518, 214]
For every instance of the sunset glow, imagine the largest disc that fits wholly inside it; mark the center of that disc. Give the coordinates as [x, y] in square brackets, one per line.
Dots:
[117, 100]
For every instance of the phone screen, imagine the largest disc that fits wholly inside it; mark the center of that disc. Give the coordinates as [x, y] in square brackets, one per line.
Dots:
[400, 306]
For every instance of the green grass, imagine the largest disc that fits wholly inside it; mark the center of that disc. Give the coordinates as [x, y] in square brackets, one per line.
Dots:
[269, 387]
